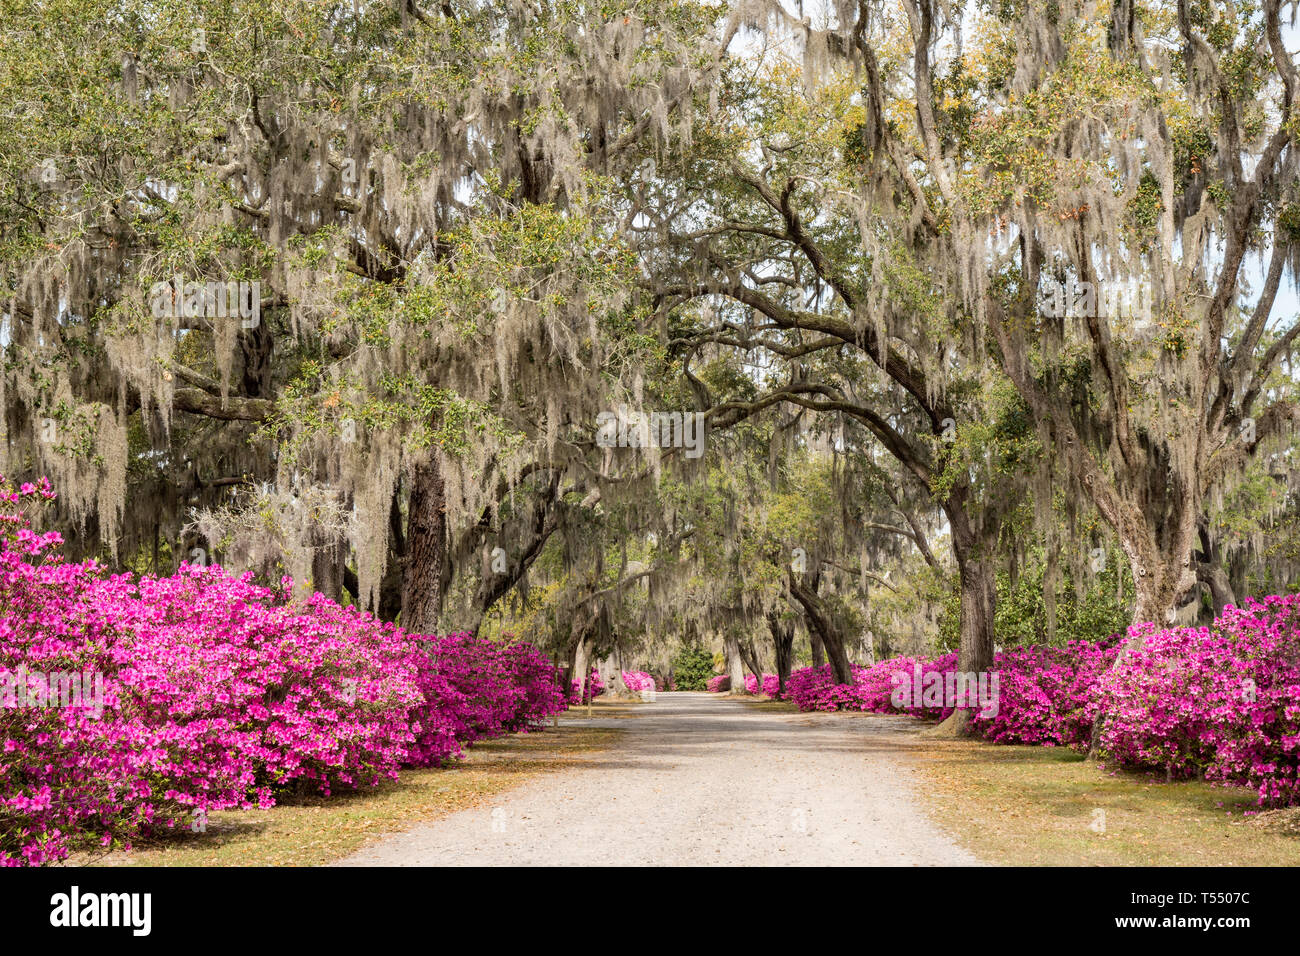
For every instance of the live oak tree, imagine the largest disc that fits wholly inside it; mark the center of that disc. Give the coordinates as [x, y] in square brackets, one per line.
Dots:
[1146, 145]
[417, 198]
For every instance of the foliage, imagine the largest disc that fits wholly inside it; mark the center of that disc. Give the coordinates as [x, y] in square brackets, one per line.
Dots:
[1022, 616]
[1219, 702]
[637, 681]
[692, 667]
[591, 688]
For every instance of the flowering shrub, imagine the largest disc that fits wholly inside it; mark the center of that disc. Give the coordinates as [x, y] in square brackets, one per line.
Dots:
[718, 684]
[215, 694]
[636, 681]
[1047, 694]
[814, 688]
[1042, 695]
[591, 688]
[1221, 702]
[212, 692]
[771, 684]
[540, 694]
[474, 689]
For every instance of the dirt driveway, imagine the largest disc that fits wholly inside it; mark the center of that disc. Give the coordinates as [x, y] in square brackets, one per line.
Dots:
[701, 780]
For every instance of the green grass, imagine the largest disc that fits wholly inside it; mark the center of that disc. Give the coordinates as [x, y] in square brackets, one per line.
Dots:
[1039, 806]
[1050, 806]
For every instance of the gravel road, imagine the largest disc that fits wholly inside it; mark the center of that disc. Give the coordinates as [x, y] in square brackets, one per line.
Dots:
[700, 780]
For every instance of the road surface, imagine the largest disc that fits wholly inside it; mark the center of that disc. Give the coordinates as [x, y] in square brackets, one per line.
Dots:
[696, 779]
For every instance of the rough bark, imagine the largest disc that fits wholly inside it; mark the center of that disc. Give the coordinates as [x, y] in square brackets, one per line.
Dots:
[978, 605]
[426, 544]
[750, 657]
[327, 568]
[868, 648]
[1159, 583]
[783, 646]
[822, 623]
[257, 349]
[735, 666]
[816, 650]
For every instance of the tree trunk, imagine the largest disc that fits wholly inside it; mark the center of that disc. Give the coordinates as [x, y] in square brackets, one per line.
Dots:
[257, 347]
[426, 544]
[327, 563]
[816, 650]
[1156, 594]
[978, 605]
[1220, 586]
[975, 652]
[735, 666]
[1159, 580]
[1237, 569]
[783, 645]
[822, 624]
[390, 591]
[581, 666]
[750, 657]
[1211, 573]
[839, 658]
[614, 666]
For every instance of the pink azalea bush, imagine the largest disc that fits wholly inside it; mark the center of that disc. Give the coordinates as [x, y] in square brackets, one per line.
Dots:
[474, 689]
[718, 684]
[771, 684]
[637, 681]
[591, 688]
[212, 692]
[1047, 695]
[815, 688]
[1043, 693]
[1220, 702]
